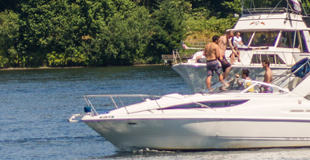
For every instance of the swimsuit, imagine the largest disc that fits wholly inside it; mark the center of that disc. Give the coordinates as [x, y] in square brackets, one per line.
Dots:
[225, 64]
[268, 89]
[202, 60]
[212, 66]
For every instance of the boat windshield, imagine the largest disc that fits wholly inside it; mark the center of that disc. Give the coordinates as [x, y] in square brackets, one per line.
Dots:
[238, 85]
[260, 38]
[287, 39]
[264, 38]
[292, 39]
[246, 37]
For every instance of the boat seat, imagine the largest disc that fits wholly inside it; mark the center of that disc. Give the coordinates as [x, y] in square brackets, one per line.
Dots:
[293, 83]
[191, 61]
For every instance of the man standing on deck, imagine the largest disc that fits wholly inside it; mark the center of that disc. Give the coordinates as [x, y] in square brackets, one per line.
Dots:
[225, 41]
[267, 77]
[212, 53]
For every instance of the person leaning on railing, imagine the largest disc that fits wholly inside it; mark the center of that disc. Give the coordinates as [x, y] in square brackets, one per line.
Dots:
[245, 84]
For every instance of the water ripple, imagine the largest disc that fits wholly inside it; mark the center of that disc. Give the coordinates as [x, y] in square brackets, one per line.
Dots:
[55, 139]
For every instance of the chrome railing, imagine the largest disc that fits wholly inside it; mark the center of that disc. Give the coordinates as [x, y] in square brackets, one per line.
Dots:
[176, 54]
[119, 97]
[288, 74]
[231, 81]
[143, 97]
[287, 57]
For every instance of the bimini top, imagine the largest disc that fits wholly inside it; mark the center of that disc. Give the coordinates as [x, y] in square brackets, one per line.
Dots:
[275, 20]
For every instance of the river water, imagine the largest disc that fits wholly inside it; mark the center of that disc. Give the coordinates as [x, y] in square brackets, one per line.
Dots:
[35, 105]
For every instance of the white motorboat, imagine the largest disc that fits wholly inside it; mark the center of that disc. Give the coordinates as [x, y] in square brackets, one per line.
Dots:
[280, 35]
[232, 119]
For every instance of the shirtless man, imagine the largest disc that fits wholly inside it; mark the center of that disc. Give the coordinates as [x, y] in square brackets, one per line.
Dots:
[212, 53]
[267, 76]
[223, 42]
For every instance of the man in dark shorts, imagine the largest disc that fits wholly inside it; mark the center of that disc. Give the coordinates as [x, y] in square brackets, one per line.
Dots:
[223, 42]
[226, 66]
[212, 53]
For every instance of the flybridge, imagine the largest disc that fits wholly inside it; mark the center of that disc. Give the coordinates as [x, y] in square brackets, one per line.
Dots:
[279, 19]
[279, 35]
[268, 10]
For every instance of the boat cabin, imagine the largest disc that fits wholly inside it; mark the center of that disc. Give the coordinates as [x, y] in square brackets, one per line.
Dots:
[275, 35]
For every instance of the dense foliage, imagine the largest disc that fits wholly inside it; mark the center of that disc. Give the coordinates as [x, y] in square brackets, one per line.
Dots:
[37, 33]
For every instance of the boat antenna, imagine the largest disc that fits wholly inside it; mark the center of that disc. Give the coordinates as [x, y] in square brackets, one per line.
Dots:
[288, 15]
[288, 4]
[243, 5]
[252, 2]
[303, 8]
[274, 8]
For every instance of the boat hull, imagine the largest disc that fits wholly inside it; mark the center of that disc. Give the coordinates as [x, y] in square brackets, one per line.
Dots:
[203, 134]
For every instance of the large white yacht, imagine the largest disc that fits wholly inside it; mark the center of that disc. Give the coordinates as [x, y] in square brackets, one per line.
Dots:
[280, 35]
[232, 119]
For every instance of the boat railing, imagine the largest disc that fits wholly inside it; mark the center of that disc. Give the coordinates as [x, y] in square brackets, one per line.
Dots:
[259, 83]
[231, 81]
[176, 54]
[143, 97]
[276, 58]
[269, 10]
[119, 97]
[292, 72]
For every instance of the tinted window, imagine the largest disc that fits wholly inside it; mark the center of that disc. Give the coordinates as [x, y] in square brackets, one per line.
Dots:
[224, 103]
[246, 36]
[256, 58]
[303, 47]
[286, 39]
[264, 39]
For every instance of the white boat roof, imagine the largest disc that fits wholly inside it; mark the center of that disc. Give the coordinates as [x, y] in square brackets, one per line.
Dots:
[270, 21]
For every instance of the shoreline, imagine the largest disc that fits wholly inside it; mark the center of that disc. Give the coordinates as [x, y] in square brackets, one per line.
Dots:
[17, 68]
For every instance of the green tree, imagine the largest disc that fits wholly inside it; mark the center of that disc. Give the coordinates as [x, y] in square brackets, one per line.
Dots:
[169, 26]
[9, 33]
[120, 31]
[83, 32]
[9, 5]
[106, 32]
[151, 5]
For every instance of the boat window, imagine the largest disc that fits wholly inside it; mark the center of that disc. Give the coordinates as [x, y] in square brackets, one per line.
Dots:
[256, 58]
[303, 46]
[264, 38]
[246, 37]
[286, 40]
[212, 104]
[228, 103]
[273, 58]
